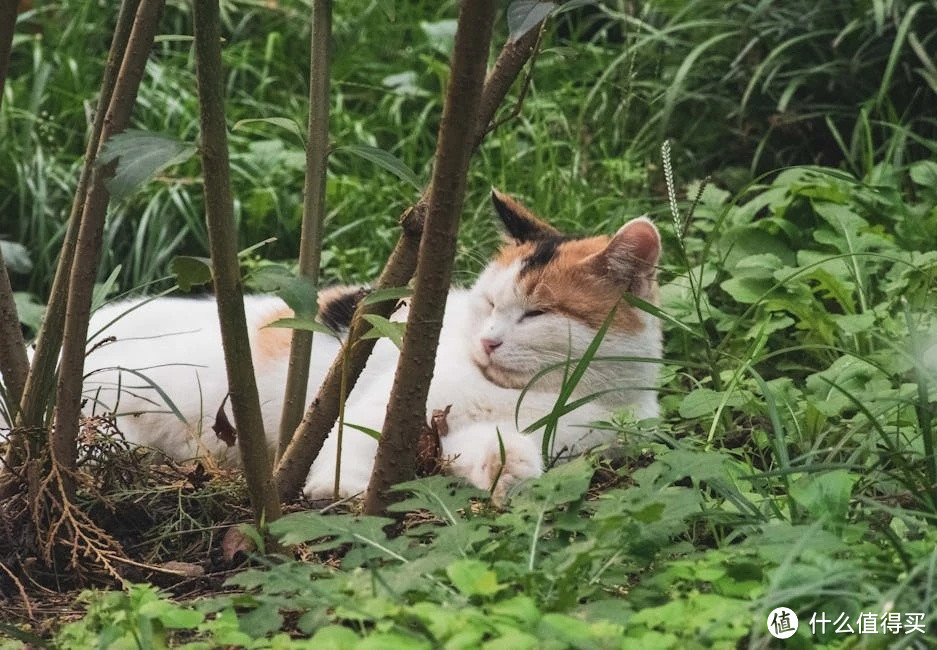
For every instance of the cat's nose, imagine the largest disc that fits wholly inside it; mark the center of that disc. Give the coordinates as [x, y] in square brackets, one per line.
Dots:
[490, 345]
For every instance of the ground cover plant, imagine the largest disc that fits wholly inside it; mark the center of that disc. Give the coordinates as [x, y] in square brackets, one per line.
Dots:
[794, 464]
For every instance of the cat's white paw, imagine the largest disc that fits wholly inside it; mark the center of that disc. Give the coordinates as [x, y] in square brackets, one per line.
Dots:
[521, 462]
[477, 457]
[320, 483]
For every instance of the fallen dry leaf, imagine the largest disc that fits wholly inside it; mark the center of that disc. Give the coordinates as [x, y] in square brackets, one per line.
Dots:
[429, 447]
[235, 541]
[223, 427]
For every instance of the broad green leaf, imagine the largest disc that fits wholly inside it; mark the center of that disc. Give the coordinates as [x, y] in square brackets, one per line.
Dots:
[330, 531]
[924, 173]
[298, 293]
[473, 578]
[747, 290]
[285, 123]
[381, 327]
[338, 637]
[704, 401]
[191, 271]
[524, 15]
[442, 496]
[15, 256]
[825, 495]
[172, 615]
[760, 266]
[140, 155]
[383, 159]
[29, 309]
[563, 484]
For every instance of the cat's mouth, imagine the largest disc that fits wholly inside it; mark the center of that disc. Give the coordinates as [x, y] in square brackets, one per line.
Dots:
[497, 374]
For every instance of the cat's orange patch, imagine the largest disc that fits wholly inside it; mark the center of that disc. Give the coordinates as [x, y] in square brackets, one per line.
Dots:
[566, 285]
[271, 343]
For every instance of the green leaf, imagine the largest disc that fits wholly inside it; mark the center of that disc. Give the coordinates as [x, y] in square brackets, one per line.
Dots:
[305, 324]
[524, 15]
[374, 433]
[337, 637]
[191, 271]
[443, 496]
[329, 531]
[381, 295]
[140, 155]
[172, 615]
[29, 309]
[381, 327]
[924, 173]
[299, 293]
[825, 495]
[383, 159]
[473, 578]
[285, 123]
[705, 401]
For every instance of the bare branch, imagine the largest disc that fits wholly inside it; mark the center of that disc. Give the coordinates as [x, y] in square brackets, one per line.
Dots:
[88, 247]
[406, 410]
[222, 239]
[310, 247]
[322, 413]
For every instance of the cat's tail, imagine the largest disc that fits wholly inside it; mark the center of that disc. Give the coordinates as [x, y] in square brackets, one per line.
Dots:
[337, 305]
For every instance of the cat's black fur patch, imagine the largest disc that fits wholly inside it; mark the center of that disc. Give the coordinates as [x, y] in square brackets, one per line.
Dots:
[544, 252]
[520, 226]
[336, 313]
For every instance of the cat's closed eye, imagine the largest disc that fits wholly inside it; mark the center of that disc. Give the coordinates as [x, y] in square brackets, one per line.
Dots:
[532, 313]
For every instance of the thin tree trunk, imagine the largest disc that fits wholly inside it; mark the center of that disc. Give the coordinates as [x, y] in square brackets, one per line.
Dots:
[14, 365]
[406, 410]
[222, 239]
[310, 247]
[42, 372]
[322, 413]
[88, 248]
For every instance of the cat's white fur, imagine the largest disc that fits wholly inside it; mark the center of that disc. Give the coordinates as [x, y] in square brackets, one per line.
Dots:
[143, 354]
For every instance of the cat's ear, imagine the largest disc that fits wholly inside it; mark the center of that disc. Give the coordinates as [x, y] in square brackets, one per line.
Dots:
[631, 256]
[520, 223]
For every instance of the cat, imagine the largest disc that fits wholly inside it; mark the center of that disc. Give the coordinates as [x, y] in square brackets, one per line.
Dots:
[158, 363]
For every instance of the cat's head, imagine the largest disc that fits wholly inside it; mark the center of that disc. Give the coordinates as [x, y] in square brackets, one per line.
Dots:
[545, 295]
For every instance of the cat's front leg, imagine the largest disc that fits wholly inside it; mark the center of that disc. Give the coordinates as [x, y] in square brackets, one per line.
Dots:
[474, 452]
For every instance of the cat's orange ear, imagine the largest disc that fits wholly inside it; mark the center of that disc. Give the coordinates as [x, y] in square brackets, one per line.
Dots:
[520, 223]
[631, 256]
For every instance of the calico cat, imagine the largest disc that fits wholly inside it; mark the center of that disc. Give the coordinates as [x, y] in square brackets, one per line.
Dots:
[158, 363]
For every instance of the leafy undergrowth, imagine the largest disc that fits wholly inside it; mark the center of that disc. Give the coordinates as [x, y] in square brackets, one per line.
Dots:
[794, 466]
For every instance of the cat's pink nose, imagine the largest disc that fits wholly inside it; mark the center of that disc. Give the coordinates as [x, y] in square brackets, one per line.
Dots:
[491, 345]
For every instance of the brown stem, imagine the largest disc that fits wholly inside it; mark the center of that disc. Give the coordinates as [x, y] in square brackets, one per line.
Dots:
[406, 410]
[41, 376]
[310, 247]
[322, 413]
[14, 365]
[222, 239]
[88, 247]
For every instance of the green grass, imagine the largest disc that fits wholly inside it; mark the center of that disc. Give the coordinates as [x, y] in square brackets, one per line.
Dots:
[794, 463]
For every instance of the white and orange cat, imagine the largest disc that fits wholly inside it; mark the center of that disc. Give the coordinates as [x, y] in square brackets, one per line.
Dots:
[540, 302]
